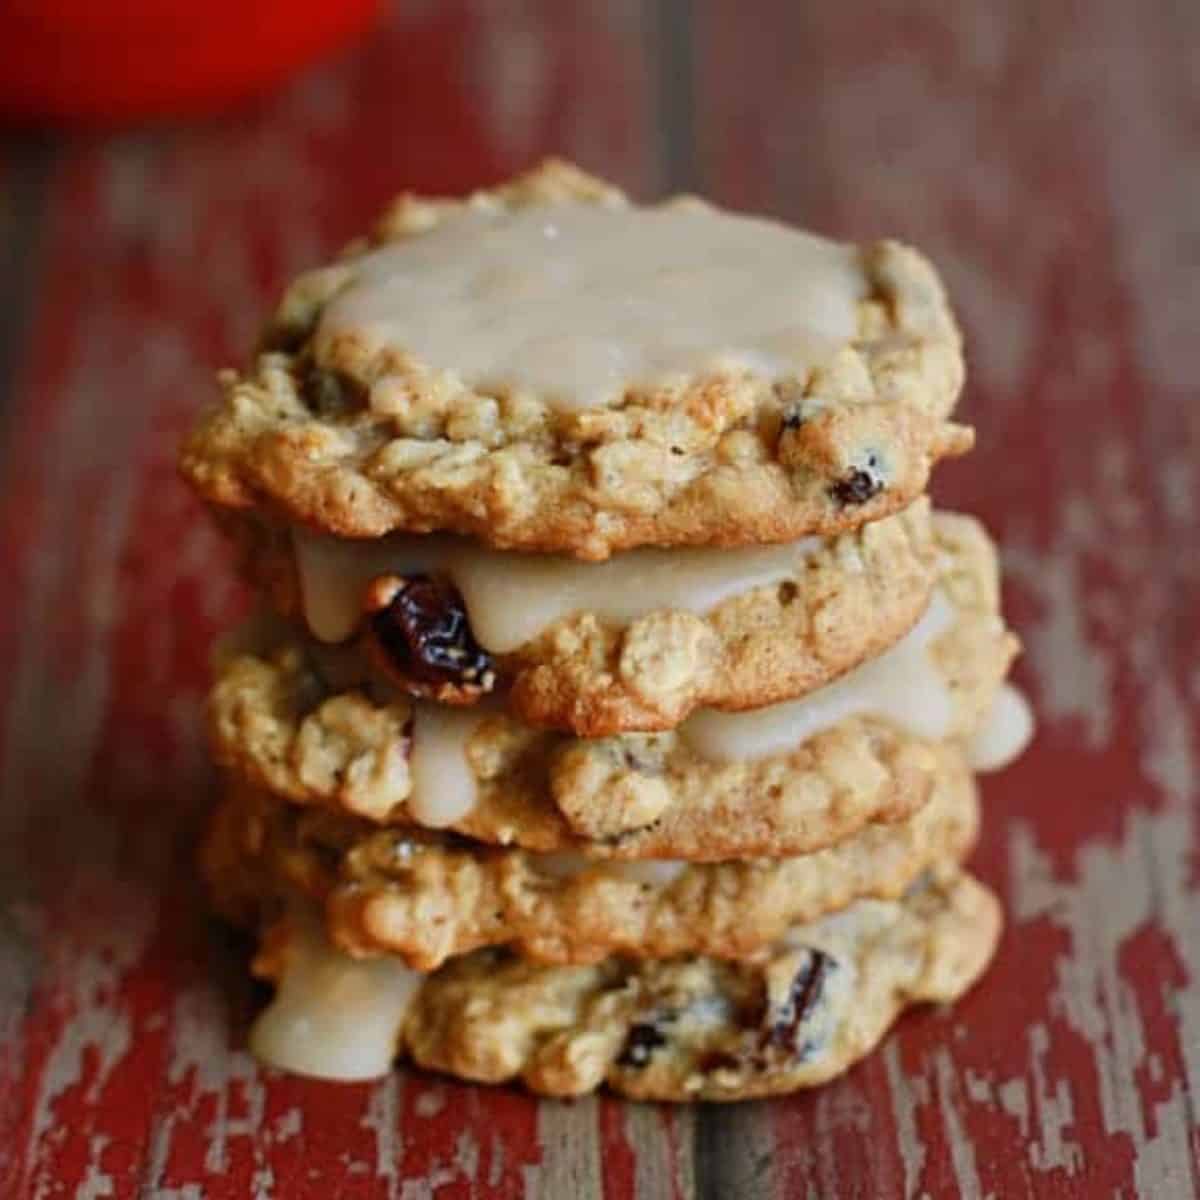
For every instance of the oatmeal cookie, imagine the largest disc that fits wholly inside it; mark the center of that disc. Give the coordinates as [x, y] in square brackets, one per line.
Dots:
[632, 645]
[546, 367]
[688, 1028]
[426, 899]
[314, 728]
[702, 1029]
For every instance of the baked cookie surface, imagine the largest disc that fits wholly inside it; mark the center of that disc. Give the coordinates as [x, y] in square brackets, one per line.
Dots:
[689, 1028]
[780, 781]
[546, 367]
[700, 1029]
[429, 899]
[634, 644]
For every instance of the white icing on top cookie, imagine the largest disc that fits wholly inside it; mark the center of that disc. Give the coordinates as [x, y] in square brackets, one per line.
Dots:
[575, 303]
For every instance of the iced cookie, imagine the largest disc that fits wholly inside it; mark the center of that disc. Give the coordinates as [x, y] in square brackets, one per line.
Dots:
[779, 781]
[548, 367]
[427, 900]
[682, 1029]
[633, 644]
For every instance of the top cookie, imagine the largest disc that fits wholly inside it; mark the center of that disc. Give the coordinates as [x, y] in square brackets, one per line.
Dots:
[547, 367]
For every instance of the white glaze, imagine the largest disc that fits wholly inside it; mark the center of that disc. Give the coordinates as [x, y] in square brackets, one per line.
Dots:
[1006, 730]
[511, 598]
[332, 1016]
[902, 685]
[659, 872]
[443, 785]
[576, 302]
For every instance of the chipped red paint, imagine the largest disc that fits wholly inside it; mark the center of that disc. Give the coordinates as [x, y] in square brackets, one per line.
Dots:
[1044, 163]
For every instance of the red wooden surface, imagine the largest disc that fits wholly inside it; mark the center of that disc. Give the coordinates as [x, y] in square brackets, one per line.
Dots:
[1048, 156]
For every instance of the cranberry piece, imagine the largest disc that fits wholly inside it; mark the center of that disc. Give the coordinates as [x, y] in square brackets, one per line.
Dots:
[859, 484]
[329, 393]
[720, 1060]
[641, 1043]
[421, 629]
[804, 995]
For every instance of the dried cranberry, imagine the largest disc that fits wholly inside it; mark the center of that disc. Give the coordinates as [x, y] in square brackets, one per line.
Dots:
[720, 1060]
[329, 393]
[641, 1043]
[803, 996]
[426, 638]
[859, 485]
[793, 417]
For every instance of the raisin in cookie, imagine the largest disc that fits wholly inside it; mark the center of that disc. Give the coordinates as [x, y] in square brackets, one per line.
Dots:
[701, 1029]
[547, 367]
[681, 1029]
[318, 729]
[633, 644]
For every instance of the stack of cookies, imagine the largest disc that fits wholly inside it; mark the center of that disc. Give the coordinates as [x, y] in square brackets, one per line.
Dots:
[612, 712]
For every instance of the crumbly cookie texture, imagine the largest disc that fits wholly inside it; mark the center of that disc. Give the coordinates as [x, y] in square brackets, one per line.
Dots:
[975, 656]
[361, 441]
[636, 796]
[428, 900]
[700, 1028]
[297, 721]
[848, 600]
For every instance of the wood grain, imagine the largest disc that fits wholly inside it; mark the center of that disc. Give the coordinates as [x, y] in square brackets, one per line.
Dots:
[1047, 157]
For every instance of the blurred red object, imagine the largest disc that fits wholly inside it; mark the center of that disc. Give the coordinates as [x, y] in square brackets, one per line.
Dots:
[104, 61]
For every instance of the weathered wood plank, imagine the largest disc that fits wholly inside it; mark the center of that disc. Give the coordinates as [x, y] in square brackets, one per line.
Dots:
[24, 178]
[1044, 157]
[121, 1072]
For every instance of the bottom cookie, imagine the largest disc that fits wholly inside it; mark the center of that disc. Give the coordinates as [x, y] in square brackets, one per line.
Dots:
[681, 1029]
